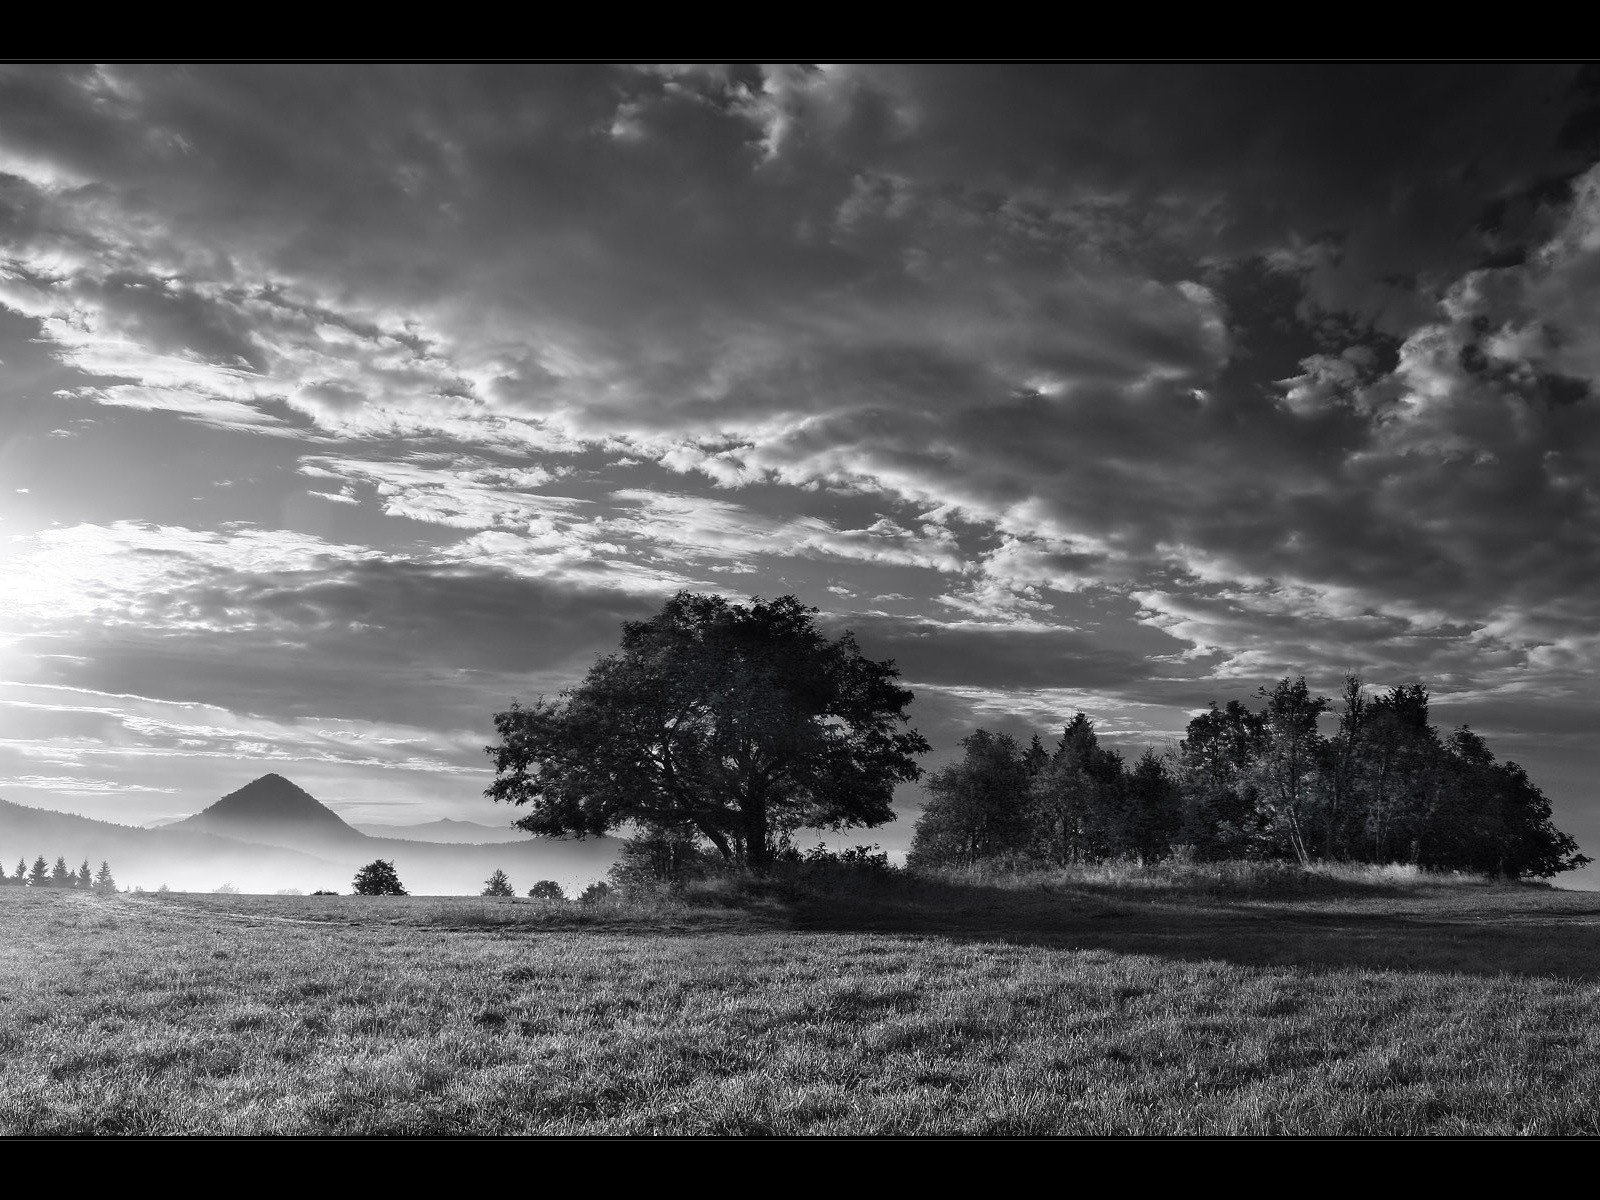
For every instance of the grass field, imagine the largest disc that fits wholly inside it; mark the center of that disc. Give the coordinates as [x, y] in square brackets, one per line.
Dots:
[1132, 1003]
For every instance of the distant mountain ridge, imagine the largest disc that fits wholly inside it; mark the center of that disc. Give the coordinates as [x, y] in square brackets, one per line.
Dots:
[446, 831]
[272, 834]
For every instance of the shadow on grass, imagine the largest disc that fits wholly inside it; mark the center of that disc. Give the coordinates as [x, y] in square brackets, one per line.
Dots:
[1488, 930]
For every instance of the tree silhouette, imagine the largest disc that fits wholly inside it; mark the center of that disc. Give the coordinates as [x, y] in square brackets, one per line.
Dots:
[61, 874]
[497, 884]
[21, 872]
[378, 878]
[742, 721]
[547, 889]
[39, 876]
[978, 806]
[85, 878]
[103, 881]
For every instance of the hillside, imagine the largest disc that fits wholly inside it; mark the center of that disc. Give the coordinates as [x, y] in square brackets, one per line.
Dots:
[186, 859]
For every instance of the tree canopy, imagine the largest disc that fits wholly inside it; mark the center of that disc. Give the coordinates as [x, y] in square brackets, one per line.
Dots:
[738, 722]
[378, 878]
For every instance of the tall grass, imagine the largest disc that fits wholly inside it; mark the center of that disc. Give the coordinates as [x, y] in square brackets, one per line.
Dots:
[1241, 878]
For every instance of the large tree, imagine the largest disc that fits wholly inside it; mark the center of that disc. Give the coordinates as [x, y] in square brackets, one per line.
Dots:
[742, 721]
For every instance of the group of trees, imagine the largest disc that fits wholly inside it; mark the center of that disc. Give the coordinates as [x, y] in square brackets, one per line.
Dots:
[41, 875]
[731, 726]
[1384, 785]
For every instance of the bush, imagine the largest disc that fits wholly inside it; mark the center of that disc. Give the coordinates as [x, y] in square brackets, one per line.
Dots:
[595, 893]
[324, 892]
[661, 858]
[856, 858]
[547, 889]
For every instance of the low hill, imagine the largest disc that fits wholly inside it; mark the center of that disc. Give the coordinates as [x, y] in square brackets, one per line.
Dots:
[184, 859]
[446, 831]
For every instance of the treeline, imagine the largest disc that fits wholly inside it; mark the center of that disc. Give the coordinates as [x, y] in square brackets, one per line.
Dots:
[42, 875]
[1258, 782]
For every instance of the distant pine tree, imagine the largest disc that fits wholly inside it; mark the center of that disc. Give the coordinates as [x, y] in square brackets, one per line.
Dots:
[22, 871]
[103, 882]
[39, 876]
[498, 884]
[61, 874]
[85, 877]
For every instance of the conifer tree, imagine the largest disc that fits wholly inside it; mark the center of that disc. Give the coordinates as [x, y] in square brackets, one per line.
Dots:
[103, 881]
[85, 876]
[39, 876]
[61, 874]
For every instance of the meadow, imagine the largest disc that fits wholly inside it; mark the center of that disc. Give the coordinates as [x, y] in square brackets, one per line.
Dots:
[1193, 1000]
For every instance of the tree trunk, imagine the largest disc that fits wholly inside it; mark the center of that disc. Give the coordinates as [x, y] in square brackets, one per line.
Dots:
[714, 836]
[756, 851]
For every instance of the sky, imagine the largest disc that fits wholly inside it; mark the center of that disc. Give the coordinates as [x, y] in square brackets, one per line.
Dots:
[341, 405]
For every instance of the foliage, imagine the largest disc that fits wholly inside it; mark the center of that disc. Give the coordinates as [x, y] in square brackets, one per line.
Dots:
[974, 812]
[103, 880]
[378, 878]
[1266, 783]
[740, 721]
[324, 892]
[546, 889]
[39, 875]
[595, 892]
[498, 884]
[661, 856]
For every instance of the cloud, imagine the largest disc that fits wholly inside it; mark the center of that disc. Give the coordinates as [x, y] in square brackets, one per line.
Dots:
[1119, 381]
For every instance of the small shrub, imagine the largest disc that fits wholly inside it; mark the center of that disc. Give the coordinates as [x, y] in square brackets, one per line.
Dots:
[324, 892]
[498, 884]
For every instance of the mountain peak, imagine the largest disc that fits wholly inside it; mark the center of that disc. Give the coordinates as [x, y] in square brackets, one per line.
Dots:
[270, 806]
